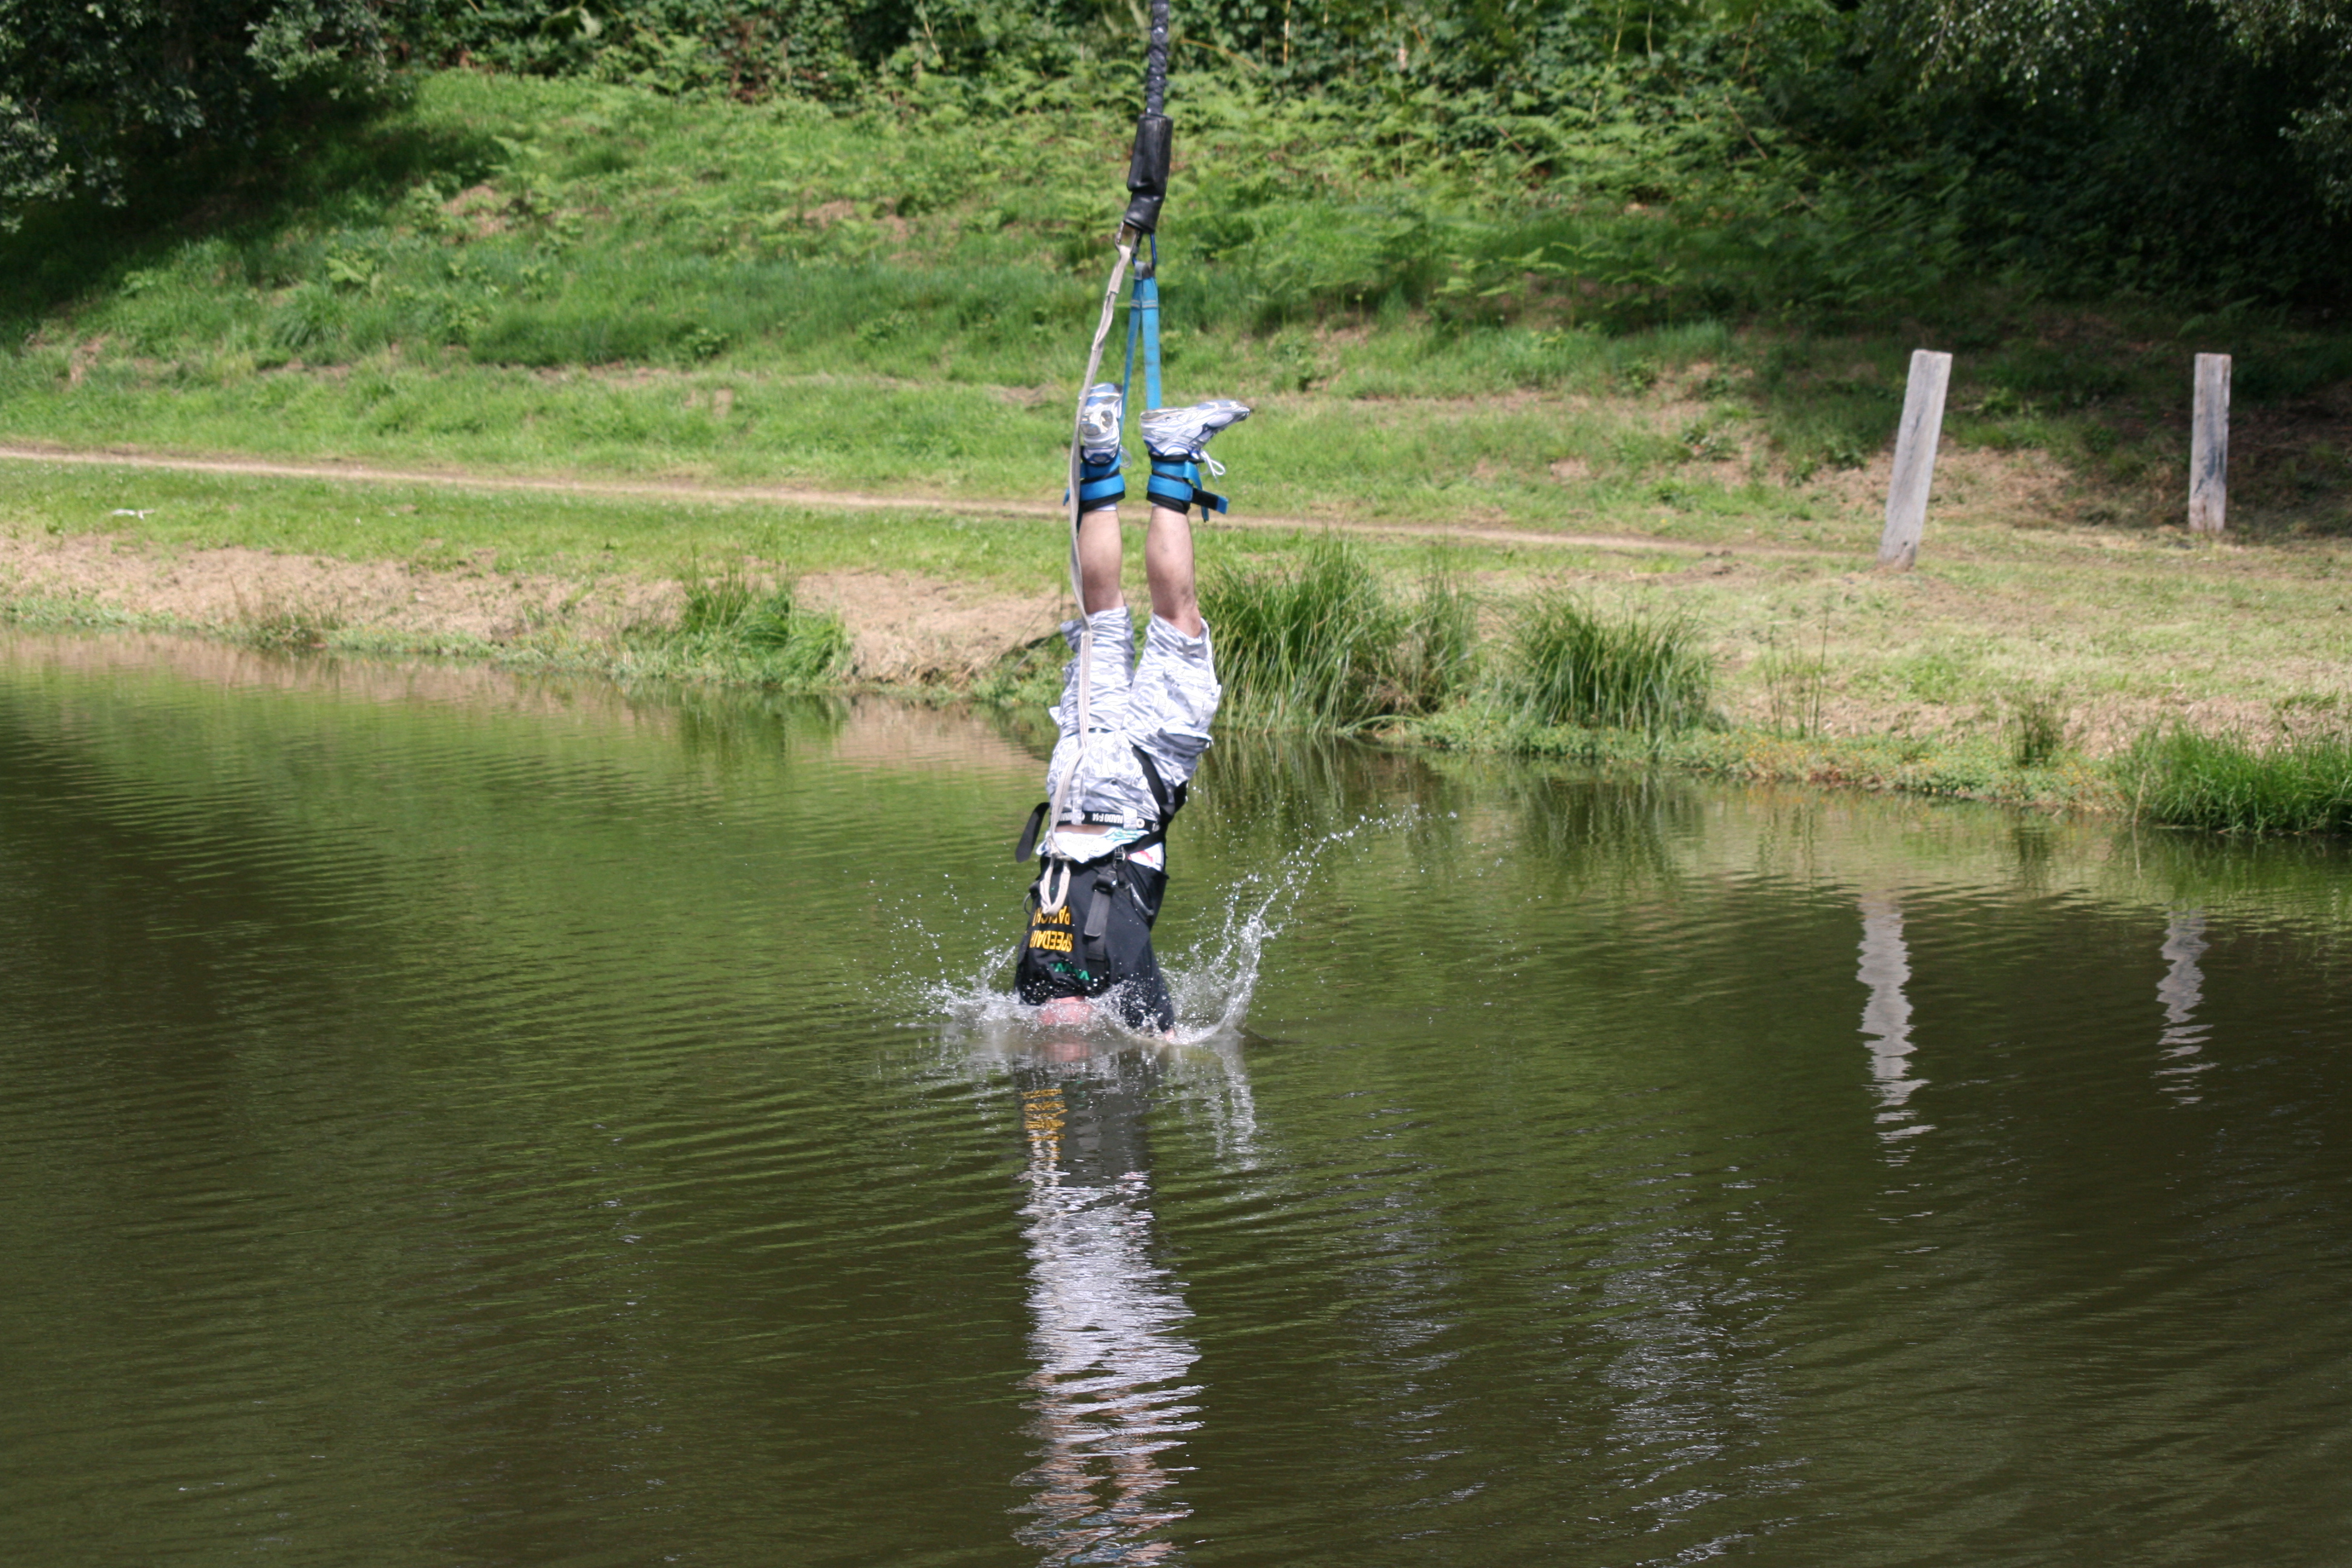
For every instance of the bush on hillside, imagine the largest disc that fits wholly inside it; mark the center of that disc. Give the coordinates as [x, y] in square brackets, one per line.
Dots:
[1574, 666]
[88, 94]
[1320, 642]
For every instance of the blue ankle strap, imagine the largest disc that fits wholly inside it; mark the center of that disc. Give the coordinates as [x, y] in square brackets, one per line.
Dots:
[1176, 485]
[1101, 484]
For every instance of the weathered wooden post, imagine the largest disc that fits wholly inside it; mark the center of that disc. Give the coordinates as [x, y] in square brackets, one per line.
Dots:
[2209, 446]
[1914, 459]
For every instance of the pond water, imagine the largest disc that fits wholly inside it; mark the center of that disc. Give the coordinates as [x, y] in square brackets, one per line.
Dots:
[456, 1119]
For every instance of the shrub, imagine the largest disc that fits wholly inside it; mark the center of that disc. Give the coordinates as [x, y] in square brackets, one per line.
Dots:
[1640, 672]
[730, 619]
[2187, 779]
[90, 92]
[1438, 654]
[1303, 644]
[1321, 643]
[2037, 727]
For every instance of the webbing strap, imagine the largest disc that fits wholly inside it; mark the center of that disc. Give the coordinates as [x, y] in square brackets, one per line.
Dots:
[1170, 802]
[1175, 484]
[1051, 894]
[1098, 913]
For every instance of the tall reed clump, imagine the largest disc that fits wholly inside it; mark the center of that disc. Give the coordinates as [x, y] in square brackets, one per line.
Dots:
[2185, 778]
[730, 619]
[1320, 642]
[2037, 729]
[1572, 666]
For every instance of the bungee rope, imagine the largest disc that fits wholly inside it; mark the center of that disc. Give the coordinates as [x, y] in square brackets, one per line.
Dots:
[1146, 185]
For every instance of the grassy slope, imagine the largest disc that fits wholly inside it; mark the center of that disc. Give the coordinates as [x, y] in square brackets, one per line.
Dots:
[528, 275]
[532, 277]
[2121, 628]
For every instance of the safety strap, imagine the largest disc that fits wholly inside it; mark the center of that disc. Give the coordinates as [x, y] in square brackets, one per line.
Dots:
[1176, 484]
[1101, 484]
[1169, 801]
[1099, 911]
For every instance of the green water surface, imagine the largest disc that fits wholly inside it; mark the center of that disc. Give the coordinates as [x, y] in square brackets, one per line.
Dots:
[449, 1119]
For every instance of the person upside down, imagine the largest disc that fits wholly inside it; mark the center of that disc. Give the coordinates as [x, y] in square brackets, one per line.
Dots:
[1104, 864]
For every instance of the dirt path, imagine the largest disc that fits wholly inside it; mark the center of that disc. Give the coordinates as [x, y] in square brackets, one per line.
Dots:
[790, 495]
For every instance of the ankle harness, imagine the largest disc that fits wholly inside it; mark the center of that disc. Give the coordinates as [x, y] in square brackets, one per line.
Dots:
[1101, 484]
[1176, 485]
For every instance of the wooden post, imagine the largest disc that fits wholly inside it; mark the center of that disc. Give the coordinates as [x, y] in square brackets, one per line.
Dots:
[2209, 446]
[1914, 459]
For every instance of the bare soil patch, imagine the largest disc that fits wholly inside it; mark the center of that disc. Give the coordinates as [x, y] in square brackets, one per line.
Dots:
[234, 589]
[904, 628]
[909, 628]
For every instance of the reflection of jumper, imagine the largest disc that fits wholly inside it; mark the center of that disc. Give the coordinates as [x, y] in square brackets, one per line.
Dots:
[1149, 722]
[1109, 1394]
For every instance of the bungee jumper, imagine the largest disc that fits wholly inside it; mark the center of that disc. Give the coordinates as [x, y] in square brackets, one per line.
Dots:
[1132, 729]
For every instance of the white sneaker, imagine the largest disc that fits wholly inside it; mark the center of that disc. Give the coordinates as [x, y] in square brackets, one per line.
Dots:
[1098, 422]
[1184, 432]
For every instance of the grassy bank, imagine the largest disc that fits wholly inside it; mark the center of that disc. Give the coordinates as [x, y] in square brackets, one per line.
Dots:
[2284, 783]
[1931, 681]
[541, 276]
[1663, 413]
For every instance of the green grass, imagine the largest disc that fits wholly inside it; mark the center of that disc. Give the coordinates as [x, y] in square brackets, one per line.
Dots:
[1323, 642]
[2186, 778]
[1573, 665]
[528, 275]
[2037, 729]
[753, 633]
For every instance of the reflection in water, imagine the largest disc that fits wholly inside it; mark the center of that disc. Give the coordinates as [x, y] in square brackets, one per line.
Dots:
[2182, 987]
[1110, 1397]
[1886, 1016]
[337, 1015]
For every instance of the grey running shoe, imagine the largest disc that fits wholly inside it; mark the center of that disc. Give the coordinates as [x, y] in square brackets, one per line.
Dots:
[1098, 422]
[1183, 432]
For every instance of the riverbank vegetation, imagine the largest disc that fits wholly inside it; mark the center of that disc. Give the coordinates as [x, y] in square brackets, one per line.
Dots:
[1952, 680]
[2289, 783]
[1619, 297]
[1571, 664]
[1322, 640]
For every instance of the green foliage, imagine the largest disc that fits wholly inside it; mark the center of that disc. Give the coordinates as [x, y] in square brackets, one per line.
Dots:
[672, 46]
[730, 619]
[1572, 666]
[2165, 147]
[90, 92]
[1590, 164]
[2186, 779]
[1320, 642]
[2037, 729]
[1860, 154]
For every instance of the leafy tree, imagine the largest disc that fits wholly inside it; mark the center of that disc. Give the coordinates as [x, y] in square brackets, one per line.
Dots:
[89, 91]
[2295, 57]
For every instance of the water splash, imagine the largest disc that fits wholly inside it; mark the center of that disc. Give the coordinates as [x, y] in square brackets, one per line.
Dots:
[1211, 980]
